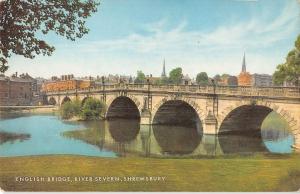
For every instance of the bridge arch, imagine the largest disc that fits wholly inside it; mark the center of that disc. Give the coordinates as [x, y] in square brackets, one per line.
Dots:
[185, 101]
[123, 107]
[250, 115]
[85, 99]
[177, 127]
[52, 101]
[176, 112]
[65, 99]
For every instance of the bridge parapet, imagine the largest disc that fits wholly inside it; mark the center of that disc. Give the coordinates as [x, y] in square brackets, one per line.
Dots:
[287, 92]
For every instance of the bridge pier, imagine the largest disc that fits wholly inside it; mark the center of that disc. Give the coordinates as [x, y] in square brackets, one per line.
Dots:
[296, 145]
[210, 125]
[146, 117]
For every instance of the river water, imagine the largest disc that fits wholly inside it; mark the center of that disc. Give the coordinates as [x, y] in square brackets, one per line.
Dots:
[48, 134]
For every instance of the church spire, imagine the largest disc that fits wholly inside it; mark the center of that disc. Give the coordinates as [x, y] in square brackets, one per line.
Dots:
[163, 74]
[244, 64]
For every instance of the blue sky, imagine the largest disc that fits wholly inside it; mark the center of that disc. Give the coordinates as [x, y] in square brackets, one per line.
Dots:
[197, 35]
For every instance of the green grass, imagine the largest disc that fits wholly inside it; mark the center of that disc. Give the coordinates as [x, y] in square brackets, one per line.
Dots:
[253, 173]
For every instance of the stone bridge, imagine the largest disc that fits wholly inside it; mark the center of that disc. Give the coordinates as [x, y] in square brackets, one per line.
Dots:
[216, 109]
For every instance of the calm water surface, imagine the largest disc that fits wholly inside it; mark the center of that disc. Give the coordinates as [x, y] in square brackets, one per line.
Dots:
[47, 134]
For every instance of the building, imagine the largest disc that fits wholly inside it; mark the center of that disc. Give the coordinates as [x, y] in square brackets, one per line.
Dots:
[153, 80]
[290, 83]
[67, 83]
[125, 79]
[186, 80]
[67, 77]
[244, 78]
[33, 81]
[15, 91]
[226, 80]
[232, 81]
[112, 79]
[262, 80]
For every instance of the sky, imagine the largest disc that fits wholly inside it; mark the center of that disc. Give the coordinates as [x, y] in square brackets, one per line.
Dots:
[197, 35]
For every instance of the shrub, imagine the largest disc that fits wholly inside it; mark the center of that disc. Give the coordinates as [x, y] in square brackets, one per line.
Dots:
[92, 109]
[70, 109]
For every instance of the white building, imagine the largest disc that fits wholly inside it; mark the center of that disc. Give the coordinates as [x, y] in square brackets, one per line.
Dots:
[263, 80]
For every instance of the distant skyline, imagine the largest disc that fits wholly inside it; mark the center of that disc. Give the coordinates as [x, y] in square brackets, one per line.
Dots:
[130, 35]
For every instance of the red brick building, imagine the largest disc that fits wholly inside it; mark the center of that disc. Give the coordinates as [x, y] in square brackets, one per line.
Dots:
[67, 83]
[15, 91]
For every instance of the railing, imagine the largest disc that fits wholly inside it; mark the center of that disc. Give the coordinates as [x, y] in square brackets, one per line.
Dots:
[293, 92]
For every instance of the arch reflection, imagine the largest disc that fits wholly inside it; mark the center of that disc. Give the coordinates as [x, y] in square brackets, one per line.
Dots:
[238, 143]
[124, 130]
[177, 140]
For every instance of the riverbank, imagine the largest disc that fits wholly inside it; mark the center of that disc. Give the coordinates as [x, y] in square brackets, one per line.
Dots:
[255, 173]
[28, 109]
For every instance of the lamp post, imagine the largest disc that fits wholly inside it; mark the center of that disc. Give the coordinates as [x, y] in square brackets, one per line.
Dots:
[214, 86]
[90, 78]
[103, 88]
[103, 84]
[148, 83]
[76, 88]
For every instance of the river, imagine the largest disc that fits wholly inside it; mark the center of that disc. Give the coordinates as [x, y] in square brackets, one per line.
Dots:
[43, 134]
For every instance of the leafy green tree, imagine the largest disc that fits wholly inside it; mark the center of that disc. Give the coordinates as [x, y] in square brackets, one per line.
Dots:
[290, 70]
[224, 76]
[22, 20]
[279, 76]
[202, 78]
[164, 80]
[175, 76]
[92, 109]
[217, 78]
[70, 109]
[140, 77]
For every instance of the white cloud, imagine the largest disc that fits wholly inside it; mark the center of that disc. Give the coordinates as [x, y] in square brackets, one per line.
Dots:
[217, 51]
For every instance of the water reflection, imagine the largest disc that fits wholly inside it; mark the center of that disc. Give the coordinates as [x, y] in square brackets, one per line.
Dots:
[233, 143]
[121, 137]
[12, 137]
[177, 140]
[277, 140]
[45, 138]
[124, 130]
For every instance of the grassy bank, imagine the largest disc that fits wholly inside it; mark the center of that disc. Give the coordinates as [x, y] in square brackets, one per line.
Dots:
[280, 173]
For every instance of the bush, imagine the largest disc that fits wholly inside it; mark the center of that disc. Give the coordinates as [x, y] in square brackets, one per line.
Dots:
[70, 109]
[92, 109]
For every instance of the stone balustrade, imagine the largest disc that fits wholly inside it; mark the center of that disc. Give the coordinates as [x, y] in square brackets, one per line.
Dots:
[290, 92]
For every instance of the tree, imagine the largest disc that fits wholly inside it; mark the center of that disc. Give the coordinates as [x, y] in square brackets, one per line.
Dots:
[140, 77]
[70, 109]
[290, 70]
[217, 78]
[22, 20]
[164, 80]
[224, 76]
[92, 109]
[175, 76]
[202, 78]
